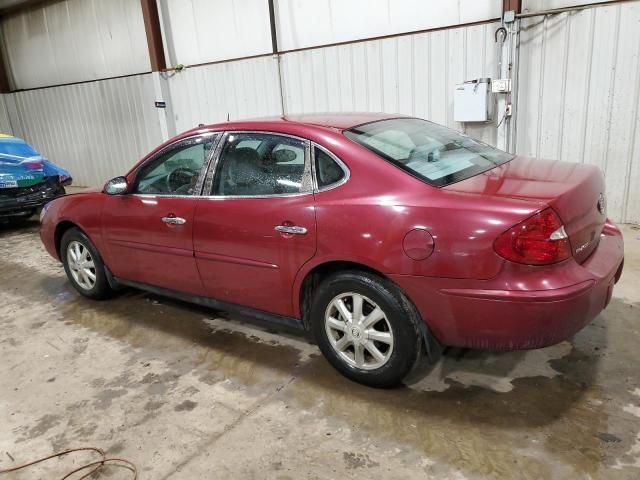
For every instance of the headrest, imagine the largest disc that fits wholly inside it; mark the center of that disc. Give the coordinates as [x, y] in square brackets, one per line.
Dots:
[284, 155]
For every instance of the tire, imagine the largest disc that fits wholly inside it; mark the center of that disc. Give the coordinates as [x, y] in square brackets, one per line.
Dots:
[397, 333]
[75, 243]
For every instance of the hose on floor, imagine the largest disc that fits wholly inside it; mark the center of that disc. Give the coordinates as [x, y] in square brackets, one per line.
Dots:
[93, 467]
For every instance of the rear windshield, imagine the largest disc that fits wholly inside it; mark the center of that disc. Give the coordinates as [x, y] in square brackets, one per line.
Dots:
[435, 154]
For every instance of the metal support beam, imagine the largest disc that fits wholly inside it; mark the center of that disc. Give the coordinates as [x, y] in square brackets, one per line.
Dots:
[5, 87]
[272, 23]
[154, 35]
[512, 5]
[276, 52]
[162, 93]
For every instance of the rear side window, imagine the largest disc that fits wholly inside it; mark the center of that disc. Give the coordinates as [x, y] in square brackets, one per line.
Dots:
[435, 154]
[328, 172]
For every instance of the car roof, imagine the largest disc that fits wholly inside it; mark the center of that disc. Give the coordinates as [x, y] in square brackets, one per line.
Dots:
[337, 121]
[340, 121]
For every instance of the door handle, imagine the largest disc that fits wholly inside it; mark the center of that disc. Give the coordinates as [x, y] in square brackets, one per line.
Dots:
[292, 229]
[174, 220]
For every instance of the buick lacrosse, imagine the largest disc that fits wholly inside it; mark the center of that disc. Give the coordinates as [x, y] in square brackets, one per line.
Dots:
[385, 237]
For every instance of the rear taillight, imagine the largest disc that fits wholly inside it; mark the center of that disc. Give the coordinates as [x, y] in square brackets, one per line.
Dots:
[539, 240]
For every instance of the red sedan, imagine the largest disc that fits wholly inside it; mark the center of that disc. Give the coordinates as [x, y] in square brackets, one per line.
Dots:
[384, 236]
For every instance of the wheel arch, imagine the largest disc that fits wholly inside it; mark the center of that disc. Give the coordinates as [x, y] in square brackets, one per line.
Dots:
[305, 284]
[308, 279]
[61, 228]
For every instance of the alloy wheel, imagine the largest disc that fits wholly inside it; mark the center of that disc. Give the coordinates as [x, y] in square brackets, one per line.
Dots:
[81, 265]
[359, 331]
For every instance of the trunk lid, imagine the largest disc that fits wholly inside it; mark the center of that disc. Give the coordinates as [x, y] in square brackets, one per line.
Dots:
[575, 191]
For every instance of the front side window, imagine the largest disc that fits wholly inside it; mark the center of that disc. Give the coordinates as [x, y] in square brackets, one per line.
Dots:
[175, 171]
[259, 164]
[435, 154]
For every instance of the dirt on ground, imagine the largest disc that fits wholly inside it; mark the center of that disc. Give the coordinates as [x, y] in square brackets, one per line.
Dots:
[185, 392]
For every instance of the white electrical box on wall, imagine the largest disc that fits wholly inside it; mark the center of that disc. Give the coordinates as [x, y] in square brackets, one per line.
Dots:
[472, 101]
[501, 85]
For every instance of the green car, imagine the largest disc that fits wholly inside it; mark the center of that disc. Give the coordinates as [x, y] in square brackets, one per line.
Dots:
[27, 179]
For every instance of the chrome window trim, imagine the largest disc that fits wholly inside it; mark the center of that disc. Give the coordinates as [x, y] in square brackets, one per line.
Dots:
[159, 195]
[341, 164]
[307, 187]
[216, 136]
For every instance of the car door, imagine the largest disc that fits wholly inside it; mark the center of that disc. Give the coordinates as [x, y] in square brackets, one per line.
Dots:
[257, 226]
[149, 231]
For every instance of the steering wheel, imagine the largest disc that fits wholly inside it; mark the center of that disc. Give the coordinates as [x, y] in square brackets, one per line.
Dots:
[180, 177]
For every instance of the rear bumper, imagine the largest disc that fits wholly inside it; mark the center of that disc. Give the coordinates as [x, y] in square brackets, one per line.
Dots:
[481, 315]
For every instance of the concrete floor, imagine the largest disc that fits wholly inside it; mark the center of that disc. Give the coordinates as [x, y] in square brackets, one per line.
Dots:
[186, 394]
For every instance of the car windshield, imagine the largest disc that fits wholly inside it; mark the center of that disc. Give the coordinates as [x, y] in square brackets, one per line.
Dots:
[435, 154]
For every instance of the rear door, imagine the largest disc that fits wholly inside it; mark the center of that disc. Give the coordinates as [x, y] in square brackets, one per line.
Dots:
[149, 231]
[255, 226]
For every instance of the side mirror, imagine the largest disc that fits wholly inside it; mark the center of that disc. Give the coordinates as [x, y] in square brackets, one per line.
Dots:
[116, 186]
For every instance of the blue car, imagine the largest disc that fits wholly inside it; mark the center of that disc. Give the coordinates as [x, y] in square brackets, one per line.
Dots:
[27, 179]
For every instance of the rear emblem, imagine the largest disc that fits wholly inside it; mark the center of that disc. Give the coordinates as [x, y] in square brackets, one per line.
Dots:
[602, 204]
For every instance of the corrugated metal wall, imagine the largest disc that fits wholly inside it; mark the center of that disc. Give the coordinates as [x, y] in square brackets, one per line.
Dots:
[579, 97]
[234, 90]
[413, 74]
[199, 31]
[96, 130]
[538, 5]
[206, 31]
[74, 40]
[304, 24]
[5, 123]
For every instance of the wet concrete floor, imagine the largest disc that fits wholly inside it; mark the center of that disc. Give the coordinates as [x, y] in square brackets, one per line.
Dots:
[185, 392]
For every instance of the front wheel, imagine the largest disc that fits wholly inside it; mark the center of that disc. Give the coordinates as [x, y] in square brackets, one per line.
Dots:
[83, 265]
[366, 328]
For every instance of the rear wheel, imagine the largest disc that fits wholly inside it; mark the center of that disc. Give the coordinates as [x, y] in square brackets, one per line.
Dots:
[83, 265]
[366, 328]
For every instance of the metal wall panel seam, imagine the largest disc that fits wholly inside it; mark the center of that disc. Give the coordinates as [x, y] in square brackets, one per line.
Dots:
[541, 86]
[564, 84]
[592, 29]
[612, 91]
[634, 142]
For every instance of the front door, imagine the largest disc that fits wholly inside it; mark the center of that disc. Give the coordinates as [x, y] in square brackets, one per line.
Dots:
[257, 226]
[149, 231]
